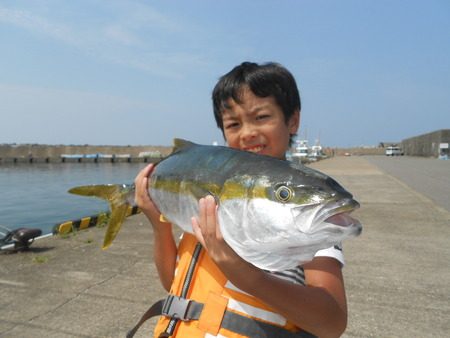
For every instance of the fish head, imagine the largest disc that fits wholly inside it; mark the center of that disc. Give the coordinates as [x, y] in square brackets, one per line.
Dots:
[291, 206]
[316, 203]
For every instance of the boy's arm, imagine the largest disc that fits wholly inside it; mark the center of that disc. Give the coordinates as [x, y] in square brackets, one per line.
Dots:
[319, 308]
[164, 246]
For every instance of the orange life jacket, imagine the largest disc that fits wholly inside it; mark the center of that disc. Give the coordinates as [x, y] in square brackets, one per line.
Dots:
[219, 301]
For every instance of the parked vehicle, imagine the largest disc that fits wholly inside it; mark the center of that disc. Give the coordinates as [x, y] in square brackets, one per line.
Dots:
[394, 151]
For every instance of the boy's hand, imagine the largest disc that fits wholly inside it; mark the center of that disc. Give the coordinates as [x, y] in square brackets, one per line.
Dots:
[206, 229]
[164, 246]
[142, 197]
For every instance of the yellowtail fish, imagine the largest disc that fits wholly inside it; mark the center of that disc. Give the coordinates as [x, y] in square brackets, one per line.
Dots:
[273, 213]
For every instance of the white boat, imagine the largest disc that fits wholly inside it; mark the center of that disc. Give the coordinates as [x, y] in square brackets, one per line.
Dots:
[316, 152]
[300, 151]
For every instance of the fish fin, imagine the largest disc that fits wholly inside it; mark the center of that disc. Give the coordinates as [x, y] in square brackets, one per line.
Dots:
[200, 192]
[104, 191]
[116, 219]
[117, 197]
[179, 144]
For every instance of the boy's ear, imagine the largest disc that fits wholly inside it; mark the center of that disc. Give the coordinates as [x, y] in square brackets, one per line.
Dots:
[294, 122]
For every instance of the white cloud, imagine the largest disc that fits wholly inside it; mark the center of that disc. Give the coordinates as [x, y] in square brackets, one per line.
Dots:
[133, 35]
[122, 35]
[137, 16]
[37, 25]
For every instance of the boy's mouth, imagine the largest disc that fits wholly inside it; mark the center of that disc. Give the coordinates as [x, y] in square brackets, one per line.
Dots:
[255, 149]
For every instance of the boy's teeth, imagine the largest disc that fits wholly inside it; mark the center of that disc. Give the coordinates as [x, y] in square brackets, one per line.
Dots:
[255, 149]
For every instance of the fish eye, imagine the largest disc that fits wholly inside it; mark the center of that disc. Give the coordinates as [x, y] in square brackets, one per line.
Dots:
[284, 193]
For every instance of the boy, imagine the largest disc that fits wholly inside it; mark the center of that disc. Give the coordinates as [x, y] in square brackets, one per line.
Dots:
[257, 107]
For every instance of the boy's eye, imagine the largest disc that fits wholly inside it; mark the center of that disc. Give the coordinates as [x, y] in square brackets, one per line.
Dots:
[262, 116]
[231, 125]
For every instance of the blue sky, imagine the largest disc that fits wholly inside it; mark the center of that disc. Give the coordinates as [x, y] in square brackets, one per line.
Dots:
[141, 72]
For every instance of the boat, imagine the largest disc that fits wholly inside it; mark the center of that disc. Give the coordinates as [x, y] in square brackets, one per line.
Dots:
[316, 152]
[300, 151]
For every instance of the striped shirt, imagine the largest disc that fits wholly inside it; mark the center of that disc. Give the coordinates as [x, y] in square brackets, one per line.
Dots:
[297, 275]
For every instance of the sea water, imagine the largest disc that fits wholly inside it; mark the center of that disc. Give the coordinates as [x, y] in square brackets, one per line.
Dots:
[35, 195]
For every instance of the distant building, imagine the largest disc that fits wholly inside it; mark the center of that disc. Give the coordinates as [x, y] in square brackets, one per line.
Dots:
[388, 144]
[434, 144]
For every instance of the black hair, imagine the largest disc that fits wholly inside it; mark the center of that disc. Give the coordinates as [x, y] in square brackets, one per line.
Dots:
[269, 79]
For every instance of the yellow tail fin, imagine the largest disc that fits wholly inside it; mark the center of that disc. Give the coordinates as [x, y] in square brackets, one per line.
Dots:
[118, 197]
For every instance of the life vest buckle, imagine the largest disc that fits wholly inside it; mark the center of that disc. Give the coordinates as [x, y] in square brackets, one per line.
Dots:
[176, 307]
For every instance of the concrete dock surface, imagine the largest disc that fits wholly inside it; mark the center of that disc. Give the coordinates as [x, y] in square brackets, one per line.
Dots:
[397, 272]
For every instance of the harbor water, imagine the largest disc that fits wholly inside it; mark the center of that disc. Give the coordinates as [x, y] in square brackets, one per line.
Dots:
[35, 195]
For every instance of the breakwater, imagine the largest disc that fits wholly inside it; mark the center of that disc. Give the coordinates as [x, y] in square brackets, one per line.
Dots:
[36, 153]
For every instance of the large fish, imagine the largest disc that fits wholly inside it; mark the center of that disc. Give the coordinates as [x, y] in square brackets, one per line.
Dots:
[273, 213]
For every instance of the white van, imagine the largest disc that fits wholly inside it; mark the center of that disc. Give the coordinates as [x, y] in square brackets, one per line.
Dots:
[394, 151]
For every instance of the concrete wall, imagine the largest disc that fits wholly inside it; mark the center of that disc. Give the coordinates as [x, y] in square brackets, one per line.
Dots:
[55, 151]
[358, 151]
[427, 144]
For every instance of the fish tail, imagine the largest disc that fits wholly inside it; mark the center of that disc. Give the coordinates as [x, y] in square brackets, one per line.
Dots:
[117, 196]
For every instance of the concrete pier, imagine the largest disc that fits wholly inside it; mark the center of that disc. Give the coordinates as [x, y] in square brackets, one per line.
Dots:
[35, 153]
[80, 159]
[397, 272]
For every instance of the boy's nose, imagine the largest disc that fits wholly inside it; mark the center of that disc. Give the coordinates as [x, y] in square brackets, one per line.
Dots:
[248, 132]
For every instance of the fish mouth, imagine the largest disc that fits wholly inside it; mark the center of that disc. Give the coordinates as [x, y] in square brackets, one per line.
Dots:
[338, 212]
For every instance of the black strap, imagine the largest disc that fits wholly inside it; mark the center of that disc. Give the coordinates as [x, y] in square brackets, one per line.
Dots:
[154, 310]
[256, 329]
[179, 308]
[158, 308]
[186, 285]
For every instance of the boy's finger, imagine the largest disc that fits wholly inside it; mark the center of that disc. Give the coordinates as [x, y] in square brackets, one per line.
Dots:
[211, 215]
[210, 208]
[202, 219]
[148, 169]
[144, 174]
[197, 231]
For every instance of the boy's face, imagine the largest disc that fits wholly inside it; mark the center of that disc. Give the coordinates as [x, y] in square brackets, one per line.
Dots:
[257, 125]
